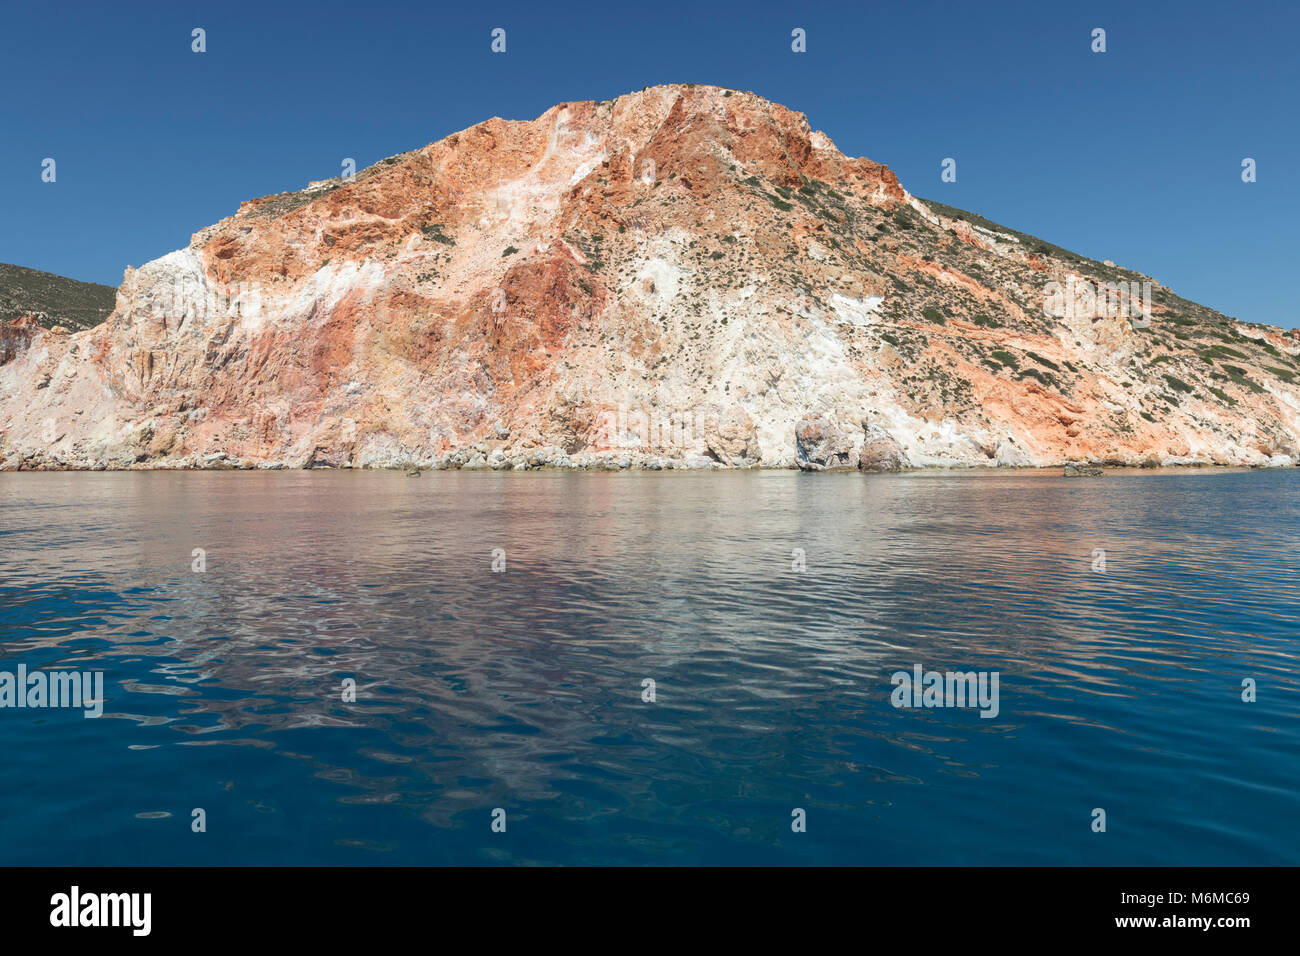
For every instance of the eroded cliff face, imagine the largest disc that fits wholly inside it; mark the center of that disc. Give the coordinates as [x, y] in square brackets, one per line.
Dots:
[677, 277]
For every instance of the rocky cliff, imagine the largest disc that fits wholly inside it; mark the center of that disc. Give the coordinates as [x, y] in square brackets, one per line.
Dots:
[685, 276]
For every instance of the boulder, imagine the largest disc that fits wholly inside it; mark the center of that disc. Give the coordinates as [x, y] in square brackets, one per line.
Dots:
[730, 435]
[1081, 471]
[820, 445]
[1011, 455]
[881, 451]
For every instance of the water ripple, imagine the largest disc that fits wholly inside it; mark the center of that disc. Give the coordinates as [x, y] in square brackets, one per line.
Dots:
[523, 690]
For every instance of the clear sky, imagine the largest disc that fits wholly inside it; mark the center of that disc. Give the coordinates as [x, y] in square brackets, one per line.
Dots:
[1132, 155]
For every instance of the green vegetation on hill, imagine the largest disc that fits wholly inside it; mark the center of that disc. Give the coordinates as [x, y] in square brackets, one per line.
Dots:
[54, 300]
[1028, 242]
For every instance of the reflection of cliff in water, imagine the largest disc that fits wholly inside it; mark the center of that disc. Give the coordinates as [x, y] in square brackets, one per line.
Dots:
[474, 686]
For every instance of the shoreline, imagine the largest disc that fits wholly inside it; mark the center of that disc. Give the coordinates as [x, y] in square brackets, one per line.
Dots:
[607, 467]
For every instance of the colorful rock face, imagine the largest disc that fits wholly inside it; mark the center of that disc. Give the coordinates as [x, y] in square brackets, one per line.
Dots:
[677, 277]
[17, 335]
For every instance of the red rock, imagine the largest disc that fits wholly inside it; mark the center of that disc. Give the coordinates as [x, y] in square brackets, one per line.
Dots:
[697, 259]
[17, 335]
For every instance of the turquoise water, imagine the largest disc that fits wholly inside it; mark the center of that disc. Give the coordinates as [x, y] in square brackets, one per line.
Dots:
[522, 689]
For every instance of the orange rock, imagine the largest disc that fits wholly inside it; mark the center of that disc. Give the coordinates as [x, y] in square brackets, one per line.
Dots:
[696, 260]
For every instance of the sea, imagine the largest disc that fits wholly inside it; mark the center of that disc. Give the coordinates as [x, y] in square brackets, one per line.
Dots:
[362, 668]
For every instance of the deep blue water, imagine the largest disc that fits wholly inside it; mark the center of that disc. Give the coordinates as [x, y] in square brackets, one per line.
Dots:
[1119, 690]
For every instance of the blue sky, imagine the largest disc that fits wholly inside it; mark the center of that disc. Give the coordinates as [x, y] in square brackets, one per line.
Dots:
[1132, 155]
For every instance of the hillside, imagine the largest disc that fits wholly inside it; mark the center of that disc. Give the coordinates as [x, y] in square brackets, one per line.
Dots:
[687, 276]
[52, 299]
